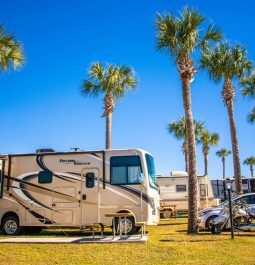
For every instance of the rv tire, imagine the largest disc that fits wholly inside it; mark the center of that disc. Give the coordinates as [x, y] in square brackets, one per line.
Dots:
[131, 228]
[10, 226]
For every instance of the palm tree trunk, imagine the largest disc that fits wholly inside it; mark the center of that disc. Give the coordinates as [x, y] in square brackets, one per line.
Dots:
[108, 110]
[108, 143]
[235, 149]
[186, 154]
[193, 182]
[223, 163]
[206, 163]
[187, 162]
[206, 152]
[251, 168]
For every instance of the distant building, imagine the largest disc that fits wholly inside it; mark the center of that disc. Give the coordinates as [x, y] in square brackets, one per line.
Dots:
[219, 190]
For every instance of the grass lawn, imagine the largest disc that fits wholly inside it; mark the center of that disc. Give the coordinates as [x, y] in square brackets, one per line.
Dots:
[168, 244]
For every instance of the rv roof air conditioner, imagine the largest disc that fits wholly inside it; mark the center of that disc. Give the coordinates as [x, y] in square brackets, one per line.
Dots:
[179, 173]
[45, 150]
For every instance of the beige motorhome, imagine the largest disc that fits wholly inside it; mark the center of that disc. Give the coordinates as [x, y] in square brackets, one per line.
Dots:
[174, 193]
[76, 189]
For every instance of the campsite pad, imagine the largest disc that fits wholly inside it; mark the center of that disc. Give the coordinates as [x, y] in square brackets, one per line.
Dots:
[79, 240]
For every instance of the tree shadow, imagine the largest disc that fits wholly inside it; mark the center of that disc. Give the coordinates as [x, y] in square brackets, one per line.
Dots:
[172, 224]
[193, 240]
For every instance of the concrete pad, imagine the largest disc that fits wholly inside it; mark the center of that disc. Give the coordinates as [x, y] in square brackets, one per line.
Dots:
[77, 240]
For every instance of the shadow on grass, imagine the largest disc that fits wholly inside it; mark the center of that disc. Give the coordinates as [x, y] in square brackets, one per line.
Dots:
[192, 240]
[172, 224]
[244, 235]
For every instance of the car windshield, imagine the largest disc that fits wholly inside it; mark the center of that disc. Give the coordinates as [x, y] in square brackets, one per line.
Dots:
[234, 198]
[151, 170]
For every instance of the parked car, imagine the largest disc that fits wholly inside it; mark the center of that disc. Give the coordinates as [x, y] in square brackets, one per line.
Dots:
[208, 214]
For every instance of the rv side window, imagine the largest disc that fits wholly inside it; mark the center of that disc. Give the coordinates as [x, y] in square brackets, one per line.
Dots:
[90, 180]
[45, 177]
[125, 170]
[181, 188]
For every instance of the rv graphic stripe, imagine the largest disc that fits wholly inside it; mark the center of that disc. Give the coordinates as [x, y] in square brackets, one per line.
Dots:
[38, 216]
[39, 187]
[136, 192]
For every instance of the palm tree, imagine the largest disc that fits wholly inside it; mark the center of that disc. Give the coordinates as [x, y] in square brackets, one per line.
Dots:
[11, 52]
[223, 153]
[207, 139]
[227, 63]
[113, 82]
[248, 91]
[180, 36]
[179, 131]
[250, 161]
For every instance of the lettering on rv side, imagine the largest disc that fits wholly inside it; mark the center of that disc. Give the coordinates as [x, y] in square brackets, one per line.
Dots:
[74, 162]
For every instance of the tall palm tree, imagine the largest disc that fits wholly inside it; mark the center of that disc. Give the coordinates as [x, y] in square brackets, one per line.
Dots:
[227, 63]
[223, 153]
[248, 90]
[113, 82]
[207, 140]
[179, 130]
[11, 52]
[180, 36]
[250, 161]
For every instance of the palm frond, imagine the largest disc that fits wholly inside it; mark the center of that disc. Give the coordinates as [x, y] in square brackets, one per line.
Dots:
[251, 116]
[111, 79]
[250, 161]
[223, 152]
[166, 33]
[11, 51]
[225, 61]
[213, 33]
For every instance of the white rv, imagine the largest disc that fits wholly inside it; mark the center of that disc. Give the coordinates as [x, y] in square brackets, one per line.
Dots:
[174, 193]
[76, 189]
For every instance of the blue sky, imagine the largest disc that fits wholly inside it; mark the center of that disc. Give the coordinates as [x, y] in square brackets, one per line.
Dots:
[41, 105]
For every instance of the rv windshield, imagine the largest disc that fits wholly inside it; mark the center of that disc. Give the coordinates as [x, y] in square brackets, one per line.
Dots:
[151, 170]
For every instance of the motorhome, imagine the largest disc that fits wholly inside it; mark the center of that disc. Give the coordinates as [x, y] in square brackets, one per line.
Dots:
[76, 189]
[174, 193]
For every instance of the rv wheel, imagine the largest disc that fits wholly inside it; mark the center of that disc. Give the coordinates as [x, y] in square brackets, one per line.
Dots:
[167, 214]
[11, 226]
[129, 223]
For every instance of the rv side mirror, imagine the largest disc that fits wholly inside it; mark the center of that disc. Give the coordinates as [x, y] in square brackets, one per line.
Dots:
[141, 180]
[90, 180]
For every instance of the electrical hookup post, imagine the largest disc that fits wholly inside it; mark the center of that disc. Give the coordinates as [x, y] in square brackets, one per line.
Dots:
[228, 183]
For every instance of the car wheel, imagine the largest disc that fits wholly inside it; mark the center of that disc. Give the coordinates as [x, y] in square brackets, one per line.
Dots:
[217, 229]
[209, 222]
[10, 226]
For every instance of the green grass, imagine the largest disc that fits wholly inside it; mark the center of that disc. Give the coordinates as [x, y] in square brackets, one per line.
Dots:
[168, 244]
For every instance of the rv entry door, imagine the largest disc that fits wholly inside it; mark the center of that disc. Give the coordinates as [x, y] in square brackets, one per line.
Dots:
[90, 196]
